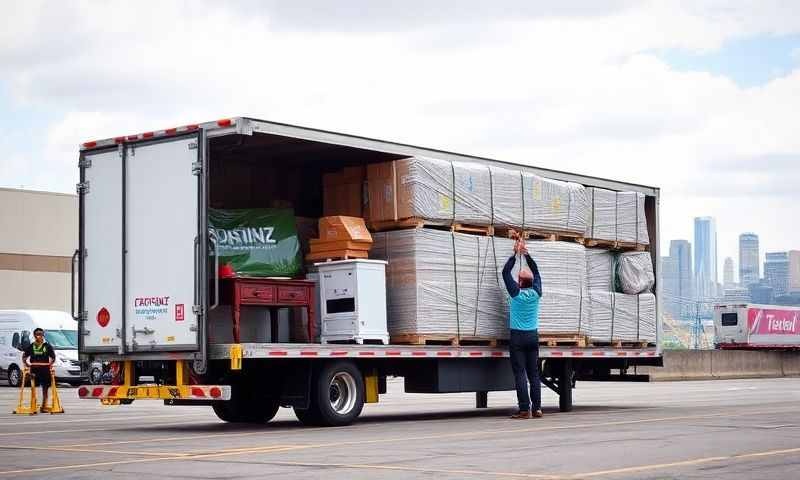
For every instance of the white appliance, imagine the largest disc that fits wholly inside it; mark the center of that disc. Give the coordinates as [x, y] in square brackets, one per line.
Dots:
[353, 301]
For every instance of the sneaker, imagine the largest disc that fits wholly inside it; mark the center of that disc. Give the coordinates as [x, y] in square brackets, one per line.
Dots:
[537, 414]
[524, 415]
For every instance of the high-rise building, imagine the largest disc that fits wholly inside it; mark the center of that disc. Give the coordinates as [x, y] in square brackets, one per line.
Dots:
[761, 293]
[705, 257]
[794, 271]
[776, 272]
[676, 273]
[749, 271]
[727, 272]
[736, 295]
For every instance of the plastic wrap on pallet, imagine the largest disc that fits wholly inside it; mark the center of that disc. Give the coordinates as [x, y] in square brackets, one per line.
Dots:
[552, 205]
[601, 315]
[493, 301]
[647, 318]
[635, 272]
[626, 317]
[602, 224]
[600, 270]
[425, 189]
[562, 265]
[631, 220]
[472, 193]
[428, 294]
[507, 197]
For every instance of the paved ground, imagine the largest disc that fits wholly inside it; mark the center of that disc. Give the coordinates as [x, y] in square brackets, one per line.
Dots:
[739, 429]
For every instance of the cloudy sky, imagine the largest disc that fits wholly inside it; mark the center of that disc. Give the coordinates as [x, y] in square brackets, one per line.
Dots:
[699, 98]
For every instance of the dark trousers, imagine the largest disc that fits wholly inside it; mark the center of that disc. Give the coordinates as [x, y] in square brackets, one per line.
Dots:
[524, 349]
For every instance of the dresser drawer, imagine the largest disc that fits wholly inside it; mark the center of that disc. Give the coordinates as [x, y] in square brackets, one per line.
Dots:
[292, 294]
[257, 294]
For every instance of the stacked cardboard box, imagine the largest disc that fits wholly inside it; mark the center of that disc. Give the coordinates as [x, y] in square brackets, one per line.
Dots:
[343, 192]
[340, 237]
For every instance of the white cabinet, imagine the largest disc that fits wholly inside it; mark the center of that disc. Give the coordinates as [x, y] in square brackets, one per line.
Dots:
[353, 301]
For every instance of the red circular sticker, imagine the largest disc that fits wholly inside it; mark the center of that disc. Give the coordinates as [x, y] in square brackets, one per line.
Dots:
[103, 317]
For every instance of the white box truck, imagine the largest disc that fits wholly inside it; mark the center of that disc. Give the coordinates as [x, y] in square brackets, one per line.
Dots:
[146, 287]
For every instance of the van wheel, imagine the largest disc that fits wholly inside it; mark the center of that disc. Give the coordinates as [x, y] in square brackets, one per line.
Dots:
[338, 395]
[14, 376]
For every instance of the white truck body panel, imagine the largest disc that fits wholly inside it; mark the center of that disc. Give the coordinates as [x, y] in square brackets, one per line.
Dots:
[103, 251]
[161, 229]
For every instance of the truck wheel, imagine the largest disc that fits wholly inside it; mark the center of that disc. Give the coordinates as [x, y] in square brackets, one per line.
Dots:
[227, 411]
[253, 411]
[14, 376]
[338, 396]
[308, 417]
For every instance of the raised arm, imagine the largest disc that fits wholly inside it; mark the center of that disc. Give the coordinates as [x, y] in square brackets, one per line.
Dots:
[511, 284]
[537, 280]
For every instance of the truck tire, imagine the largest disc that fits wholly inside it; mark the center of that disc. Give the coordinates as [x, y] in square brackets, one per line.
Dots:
[338, 394]
[238, 410]
[308, 417]
[14, 376]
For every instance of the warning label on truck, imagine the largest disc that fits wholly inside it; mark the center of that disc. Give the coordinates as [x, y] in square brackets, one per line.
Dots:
[151, 307]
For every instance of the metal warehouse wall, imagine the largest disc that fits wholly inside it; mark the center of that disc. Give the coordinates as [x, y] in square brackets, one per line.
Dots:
[38, 234]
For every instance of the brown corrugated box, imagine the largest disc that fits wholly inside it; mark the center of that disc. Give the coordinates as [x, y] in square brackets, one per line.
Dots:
[343, 192]
[340, 227]
[382, 191]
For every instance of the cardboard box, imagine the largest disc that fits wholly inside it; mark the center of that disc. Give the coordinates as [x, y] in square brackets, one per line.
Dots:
[382, 191]
[342, 192]
[339, 227]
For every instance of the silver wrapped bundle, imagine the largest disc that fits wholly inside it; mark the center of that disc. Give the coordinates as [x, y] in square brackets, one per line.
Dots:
[564, 306]
[617, 216]
[507, 197]
[425, 189]
[600, 270]
[428, 294]
[601, 315]
[631, 220]
[647, 317]
[552, 205]
[626, 317]
[473, 193]
[602, 223]
[635, 272]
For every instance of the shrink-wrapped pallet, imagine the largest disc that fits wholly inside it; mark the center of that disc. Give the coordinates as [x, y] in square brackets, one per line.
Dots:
[602, 224]
[647, 318]
[631, 220]
[635, 272]
[617, 216]
[507, 197]
[441, 283]
[562, 266]
[472, 193]
[425, 189]
[600, 270]
[626, 317]
[551, 205]
[601, 315]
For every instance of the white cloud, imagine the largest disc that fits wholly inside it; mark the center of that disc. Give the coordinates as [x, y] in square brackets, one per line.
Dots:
[565, 88]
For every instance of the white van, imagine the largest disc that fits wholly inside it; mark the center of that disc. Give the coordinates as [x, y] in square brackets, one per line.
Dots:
[60, 331]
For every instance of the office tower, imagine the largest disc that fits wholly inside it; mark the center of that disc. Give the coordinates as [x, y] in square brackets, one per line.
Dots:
[705, 257]
[794, 271]
[776, 272]
[727, 272]
[749, 271]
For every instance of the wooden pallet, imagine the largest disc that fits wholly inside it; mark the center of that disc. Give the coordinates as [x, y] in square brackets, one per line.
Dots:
[447, 340]
[554, 236]
[562, 340]
[614, 245]
[336, 255]
[408, 223]
[621, 343]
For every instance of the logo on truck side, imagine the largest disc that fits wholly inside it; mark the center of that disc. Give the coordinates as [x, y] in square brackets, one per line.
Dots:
[773, 322]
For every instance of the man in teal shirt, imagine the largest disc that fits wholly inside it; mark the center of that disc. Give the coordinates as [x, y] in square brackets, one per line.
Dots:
[524, 334]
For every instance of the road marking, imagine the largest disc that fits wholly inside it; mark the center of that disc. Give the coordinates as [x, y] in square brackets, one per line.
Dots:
[483, 434]
[479, 473]
[696, 461]
[108, 418]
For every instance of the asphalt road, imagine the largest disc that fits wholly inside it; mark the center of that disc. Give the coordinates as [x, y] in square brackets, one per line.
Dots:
[736, 429]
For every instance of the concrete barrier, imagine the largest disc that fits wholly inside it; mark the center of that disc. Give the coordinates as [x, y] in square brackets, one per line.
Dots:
[790, 363]
[745, 364]
[723, 364]
[681, 365]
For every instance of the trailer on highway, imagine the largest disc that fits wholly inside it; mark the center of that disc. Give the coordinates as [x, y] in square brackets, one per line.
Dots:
[146, 284]
[757, 327]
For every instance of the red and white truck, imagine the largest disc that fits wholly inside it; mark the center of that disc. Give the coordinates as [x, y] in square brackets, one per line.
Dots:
[750, 326]
[144, 244]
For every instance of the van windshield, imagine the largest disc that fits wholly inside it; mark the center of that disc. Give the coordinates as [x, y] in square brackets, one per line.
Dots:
[62, 339]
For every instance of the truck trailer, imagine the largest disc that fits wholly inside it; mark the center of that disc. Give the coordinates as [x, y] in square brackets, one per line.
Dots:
[145, 252]
[756, 327]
